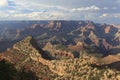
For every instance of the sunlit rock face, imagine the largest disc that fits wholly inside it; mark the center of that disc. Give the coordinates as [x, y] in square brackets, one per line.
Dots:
[60, 64]
[105, 37]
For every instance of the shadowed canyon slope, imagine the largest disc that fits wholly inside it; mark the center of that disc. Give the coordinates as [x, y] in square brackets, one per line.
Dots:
[26, 55]
[105, 38]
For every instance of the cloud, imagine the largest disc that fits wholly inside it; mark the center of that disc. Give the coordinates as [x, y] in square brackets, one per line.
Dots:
[36, 6]
[117, 15]
[3, 15]
[95, 10]
[3, 3]
[104, 15]
[89, 8]
[39, 16]
[110, 15]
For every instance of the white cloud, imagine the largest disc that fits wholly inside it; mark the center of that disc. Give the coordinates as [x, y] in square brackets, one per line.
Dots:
[39, 16]
[3, 15]
[104, 15]
[60, 9]
[116, 15]
[3, 3]
[37, 6]
[90, 8]
[113, 15]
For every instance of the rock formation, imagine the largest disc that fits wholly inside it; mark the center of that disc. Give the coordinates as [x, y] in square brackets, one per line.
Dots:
[28, 56]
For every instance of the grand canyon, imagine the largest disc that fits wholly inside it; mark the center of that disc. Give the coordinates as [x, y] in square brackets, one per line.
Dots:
[59, 50]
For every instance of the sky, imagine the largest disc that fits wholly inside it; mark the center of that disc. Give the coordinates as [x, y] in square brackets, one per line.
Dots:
[103, 11]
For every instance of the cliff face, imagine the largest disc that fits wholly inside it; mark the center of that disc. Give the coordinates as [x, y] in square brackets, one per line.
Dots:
[21, 57]
[57, 53]
[26, 55]
[104, 36]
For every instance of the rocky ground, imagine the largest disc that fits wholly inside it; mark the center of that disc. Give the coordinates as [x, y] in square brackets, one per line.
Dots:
[26, 55]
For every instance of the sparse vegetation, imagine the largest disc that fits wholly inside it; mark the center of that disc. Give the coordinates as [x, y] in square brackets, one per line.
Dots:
[30, 65]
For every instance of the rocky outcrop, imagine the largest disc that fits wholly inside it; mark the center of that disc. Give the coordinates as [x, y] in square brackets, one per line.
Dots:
[57, 53]
[110, 59]
[117, 36]
[104, 36]
[107, 29]
[94, 38]
[78, 47]
[28, 56]
[34, 26]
